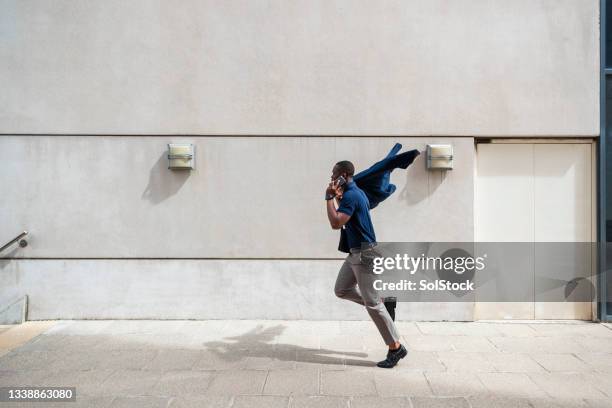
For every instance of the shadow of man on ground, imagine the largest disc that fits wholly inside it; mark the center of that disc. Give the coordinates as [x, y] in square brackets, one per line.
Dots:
[259, 343]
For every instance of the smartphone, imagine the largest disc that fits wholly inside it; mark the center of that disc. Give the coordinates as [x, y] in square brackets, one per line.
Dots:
[341, 181]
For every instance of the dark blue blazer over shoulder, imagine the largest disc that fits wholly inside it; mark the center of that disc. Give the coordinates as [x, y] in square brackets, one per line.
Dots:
[375, 181]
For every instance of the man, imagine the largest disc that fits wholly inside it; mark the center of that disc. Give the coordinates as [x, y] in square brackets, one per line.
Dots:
[353, 213]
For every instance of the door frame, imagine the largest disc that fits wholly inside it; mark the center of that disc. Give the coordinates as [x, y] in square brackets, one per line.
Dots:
[603, 313]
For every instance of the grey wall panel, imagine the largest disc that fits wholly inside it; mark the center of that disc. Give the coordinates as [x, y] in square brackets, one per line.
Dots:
[347, 67]
[192, 289]
[105, 196]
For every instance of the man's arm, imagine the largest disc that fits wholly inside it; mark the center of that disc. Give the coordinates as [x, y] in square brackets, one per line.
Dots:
[336, 219]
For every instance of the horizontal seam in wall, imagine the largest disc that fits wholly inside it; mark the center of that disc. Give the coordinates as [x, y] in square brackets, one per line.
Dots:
[171, 259]
[303, 135]
[271, 136]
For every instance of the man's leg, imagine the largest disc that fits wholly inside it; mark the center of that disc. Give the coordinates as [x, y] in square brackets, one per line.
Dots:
[373, 303]
[379, 314]
[390, 303]
[351, 275]
[345, 287]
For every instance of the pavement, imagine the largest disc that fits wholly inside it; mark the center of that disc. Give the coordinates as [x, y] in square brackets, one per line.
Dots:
[244, 363]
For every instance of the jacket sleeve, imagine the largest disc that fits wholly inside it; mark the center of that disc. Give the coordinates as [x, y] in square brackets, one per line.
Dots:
[376, 180]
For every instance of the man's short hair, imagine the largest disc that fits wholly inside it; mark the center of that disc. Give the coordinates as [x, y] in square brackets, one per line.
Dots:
[346, 166]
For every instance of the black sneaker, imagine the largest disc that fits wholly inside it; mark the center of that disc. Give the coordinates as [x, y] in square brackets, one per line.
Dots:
[393, 357]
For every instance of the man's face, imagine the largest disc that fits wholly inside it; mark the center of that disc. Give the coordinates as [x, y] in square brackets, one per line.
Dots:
[335, 174]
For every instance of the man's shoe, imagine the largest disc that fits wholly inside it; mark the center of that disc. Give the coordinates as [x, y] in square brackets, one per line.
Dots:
[393, 357]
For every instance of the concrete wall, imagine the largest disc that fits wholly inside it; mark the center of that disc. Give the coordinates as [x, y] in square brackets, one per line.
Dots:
[114, 197]
[301, 67]
[193, 289]
[272, 93]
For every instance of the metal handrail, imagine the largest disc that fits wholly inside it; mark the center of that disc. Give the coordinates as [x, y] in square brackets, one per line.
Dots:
[17, 238]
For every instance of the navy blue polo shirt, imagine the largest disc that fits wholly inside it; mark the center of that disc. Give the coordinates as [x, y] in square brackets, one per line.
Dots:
[359, 227]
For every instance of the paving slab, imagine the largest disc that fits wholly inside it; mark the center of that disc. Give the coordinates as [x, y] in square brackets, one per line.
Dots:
[208, 401]
[316, 401]
[511, 385]
[407, 328]
[260, 401]
[513, 363]
[87, 383]
[227, 364]
[378, 402]
[602, 381]
[597, 403]
[183, 383]
[24, 361]
[345, 342]
[513, 329]
[20, 378]
[277, 357]
[129, 383]
[221, 359]
[351, 383]
[293, 382]
[456, 361]
[567, 385]
[561, 362]
[391, 383]
[477, 329]
[237, 382]
[450, 402]
[174, 359]
[137, 402]
[597, 361]
[544, 345]
[91, 402]
[472, 344]
[329, 359]
[498, 402]
[455, 384]
[126, 359]
[420, 361]
[577, 330]
[594, 344]
[429, 342]
[568, 402]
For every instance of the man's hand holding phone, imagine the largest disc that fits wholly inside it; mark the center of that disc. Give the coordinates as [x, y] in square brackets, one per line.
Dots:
[336, 188]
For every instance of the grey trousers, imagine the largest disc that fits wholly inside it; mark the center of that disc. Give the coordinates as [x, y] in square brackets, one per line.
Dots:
[355, 283]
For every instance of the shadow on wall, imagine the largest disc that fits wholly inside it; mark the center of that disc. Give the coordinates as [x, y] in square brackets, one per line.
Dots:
[164, 183]
[8, 257]
[420, 183]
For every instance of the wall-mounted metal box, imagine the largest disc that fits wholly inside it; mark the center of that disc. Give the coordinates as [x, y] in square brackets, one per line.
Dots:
[181, 156]
[440, 157]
